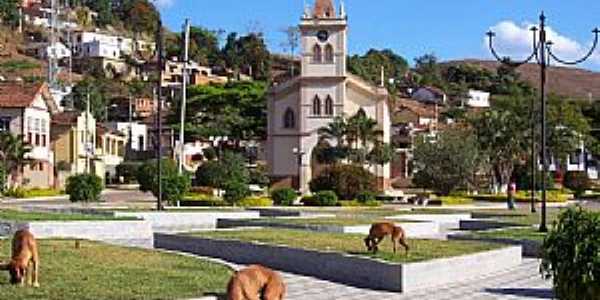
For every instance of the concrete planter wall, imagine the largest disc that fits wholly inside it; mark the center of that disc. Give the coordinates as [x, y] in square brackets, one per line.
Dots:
[348, 269]
[412, 229]
[122, 233]
[484, 224]
[172, 222]
[529, 248]
[444, 220]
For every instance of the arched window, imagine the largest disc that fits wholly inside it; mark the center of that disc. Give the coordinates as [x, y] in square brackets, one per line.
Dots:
[317, 54]
[317, 106]
[289, 119]
[329, 106]
[329, 53]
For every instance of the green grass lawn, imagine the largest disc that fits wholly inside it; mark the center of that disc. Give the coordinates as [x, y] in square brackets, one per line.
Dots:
[517, 234]
[99, 271]
[521, 216]
[22, 216]
[421, 250]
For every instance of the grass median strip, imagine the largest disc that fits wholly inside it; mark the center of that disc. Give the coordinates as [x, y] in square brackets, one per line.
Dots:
[24, 216]
[421, 250]
[99, 271]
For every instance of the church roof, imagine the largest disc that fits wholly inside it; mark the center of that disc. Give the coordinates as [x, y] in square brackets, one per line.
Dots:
[324, 9]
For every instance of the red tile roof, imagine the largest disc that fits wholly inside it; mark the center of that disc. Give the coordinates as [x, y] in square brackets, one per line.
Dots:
[65, 118]
[18, 94]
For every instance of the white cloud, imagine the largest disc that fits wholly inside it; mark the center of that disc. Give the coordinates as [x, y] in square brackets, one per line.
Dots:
[516, 40]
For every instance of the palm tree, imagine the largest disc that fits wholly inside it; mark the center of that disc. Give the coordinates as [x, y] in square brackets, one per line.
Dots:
[13, 151]
[336, 131]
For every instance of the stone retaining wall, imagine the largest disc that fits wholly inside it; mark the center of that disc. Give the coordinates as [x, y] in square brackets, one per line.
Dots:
[122, 233]
[485, 224]
[444, 220]
[347, 269]
[173, 222]
[412, 229]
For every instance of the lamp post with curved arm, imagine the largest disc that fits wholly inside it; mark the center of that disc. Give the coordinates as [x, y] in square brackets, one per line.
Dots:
[542, 55]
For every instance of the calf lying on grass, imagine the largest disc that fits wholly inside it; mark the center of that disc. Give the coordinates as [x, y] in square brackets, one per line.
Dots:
[24, 258]
[380, 230]
[255, 283]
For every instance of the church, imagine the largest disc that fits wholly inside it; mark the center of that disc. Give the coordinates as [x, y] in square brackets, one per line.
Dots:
[323, 90]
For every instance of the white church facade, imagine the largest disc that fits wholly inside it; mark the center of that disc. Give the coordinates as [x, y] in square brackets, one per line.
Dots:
[324, 90]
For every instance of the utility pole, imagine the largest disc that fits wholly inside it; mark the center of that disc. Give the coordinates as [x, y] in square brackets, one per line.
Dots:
[86, 132]
[52, 64]
[186, 41]
[159, 69]
[542, 54]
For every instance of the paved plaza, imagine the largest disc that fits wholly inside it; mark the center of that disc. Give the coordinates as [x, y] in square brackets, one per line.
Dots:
[523, 283]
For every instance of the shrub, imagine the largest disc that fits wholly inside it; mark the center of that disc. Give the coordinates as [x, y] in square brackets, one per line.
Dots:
[255, 202]
[284, 196]
[127, 171]
[231, 167]
[578, 182]
[84, 188]
[326, 198]
[174, 186]
[15, 192]
[258, 176]
[367, 196]
[356, 203]
[42, 193]
[236, 191]
[456, 200]
[347, 181]
[570, 255]
[210, 173]
[309, 201]
[210, 153]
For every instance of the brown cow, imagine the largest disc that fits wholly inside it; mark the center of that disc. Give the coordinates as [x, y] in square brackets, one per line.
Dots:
[256, 283]
[24, 258]
[380, 230]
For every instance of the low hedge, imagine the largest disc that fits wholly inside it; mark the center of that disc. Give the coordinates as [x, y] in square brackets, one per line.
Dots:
[201, 200]
[255, 202]
[356, 203]
[455, 200]
[555, 196]
[321, 199]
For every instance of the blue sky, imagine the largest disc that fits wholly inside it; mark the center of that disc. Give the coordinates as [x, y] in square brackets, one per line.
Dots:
[452, 29]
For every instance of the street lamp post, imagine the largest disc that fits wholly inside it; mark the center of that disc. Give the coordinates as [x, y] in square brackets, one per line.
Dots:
[542, 55]
[299, 154]
[159, 152]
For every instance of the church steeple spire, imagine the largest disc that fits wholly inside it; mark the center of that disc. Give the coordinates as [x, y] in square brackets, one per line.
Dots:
[324, 9]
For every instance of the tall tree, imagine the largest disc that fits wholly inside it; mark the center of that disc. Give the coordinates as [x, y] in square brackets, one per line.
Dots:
[291, 42]
[141, 16]
[447, 163]
[236, 110]
[249, 53]
[369, 67]
[9, 12]
[204, 45]
[503, 134]
[428, 68]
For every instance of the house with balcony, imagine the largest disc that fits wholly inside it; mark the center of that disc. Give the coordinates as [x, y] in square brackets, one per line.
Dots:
[111, 146]
[25, 111]
[74, 140]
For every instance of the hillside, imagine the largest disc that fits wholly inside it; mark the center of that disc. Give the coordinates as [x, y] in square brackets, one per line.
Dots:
[571, 82]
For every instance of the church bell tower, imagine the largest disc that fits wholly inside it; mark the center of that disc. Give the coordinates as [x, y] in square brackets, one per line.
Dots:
[324, 40]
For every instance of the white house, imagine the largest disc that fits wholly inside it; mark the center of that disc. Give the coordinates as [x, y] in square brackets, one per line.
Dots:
[478, 99]
[300, 106]
[139, 134]
[94, 44]
[25, 111]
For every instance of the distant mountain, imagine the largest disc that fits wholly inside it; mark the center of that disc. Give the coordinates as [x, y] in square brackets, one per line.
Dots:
[571, 82]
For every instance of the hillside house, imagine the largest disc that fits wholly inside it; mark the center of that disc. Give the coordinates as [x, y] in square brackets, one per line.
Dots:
[25, 111]
[428, 94]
